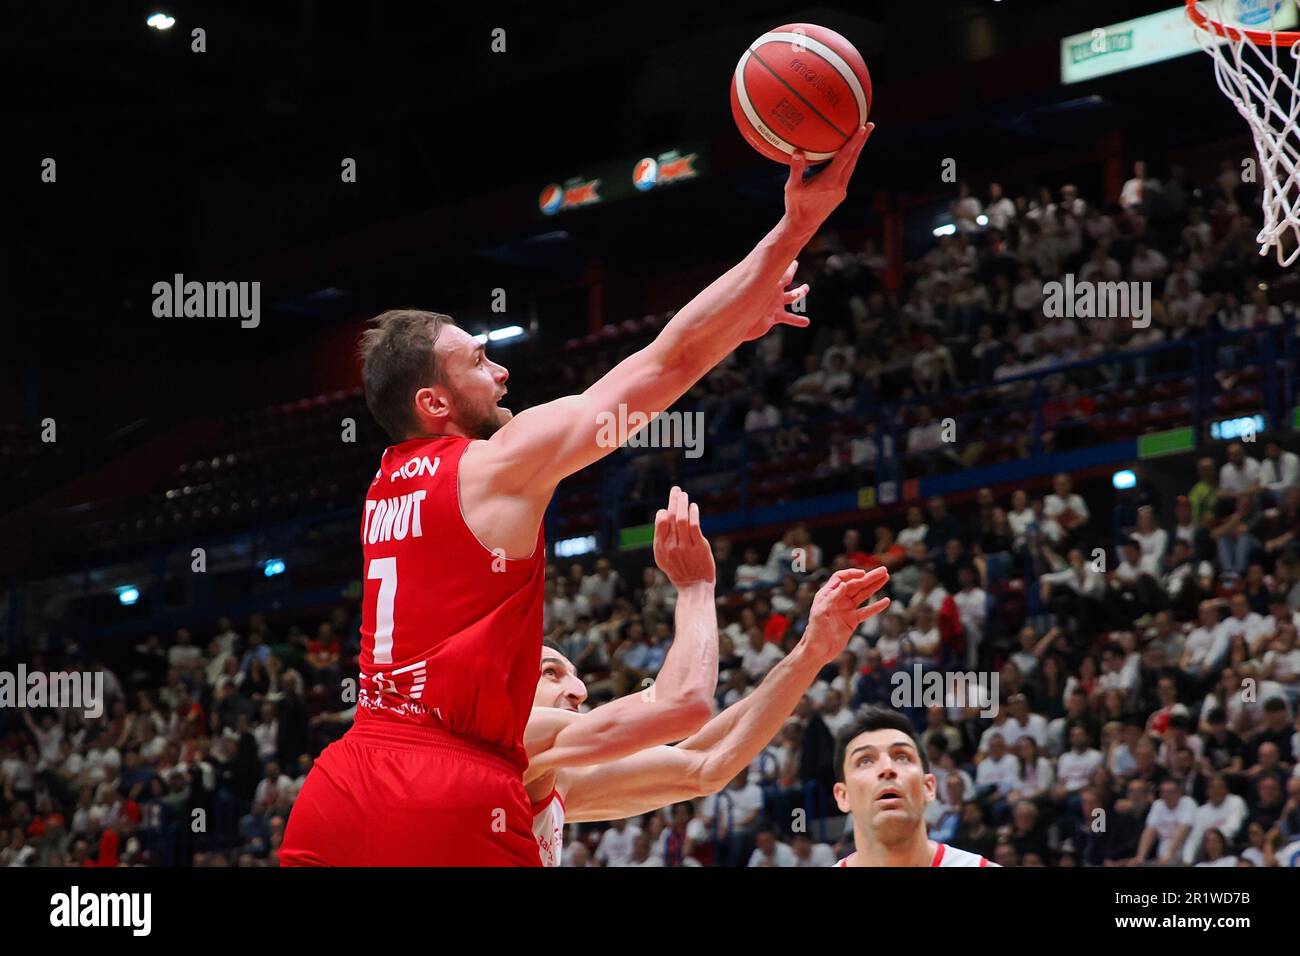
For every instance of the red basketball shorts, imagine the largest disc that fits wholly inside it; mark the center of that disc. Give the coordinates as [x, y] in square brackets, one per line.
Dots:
[395, 795]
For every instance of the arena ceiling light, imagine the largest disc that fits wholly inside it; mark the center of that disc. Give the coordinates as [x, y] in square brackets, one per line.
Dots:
[273, 567]
[500, 335]
[128, 594]
[161, 21]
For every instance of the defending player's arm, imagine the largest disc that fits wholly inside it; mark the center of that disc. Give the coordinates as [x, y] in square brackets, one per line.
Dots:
[541, 445]
[679, 701]
[704, 763]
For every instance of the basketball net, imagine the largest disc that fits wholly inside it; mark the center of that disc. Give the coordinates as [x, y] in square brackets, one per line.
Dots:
[1259, 71]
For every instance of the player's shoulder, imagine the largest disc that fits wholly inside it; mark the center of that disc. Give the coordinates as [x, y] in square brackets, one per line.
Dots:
[946, 855]
[409, 462]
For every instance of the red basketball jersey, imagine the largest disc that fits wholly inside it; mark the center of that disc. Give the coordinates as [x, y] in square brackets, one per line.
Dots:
[451, 632]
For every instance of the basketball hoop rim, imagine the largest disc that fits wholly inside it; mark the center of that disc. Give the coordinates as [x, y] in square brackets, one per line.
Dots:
[1283, 38]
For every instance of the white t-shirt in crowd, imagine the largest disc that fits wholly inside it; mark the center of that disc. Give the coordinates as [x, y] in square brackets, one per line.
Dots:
[1166, 821]
[1003, 774]
[973, 607]
[1205, 646]
[1282, 475]
[1055, 504]
[1249, 627]
[744, 801]
[925, 643]
[1234, 478]
[910, 536]
[821, 854]
[1010, 731]
[757, 662]
[782, 855]
[1152, 543]
[1227, 818]
[1074, 769]
[615, 847]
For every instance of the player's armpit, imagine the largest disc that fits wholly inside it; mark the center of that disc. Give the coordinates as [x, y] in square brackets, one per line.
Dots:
[637, 784]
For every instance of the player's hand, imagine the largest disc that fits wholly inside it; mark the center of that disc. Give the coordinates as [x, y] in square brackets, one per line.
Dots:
[776, 312]
[809, 202]
[681, 550]
[837, 609]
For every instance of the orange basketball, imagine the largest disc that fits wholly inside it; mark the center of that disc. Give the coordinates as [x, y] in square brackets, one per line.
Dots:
[800, 87]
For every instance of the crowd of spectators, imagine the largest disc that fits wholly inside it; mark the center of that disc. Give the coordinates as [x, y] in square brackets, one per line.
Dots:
[969, 334]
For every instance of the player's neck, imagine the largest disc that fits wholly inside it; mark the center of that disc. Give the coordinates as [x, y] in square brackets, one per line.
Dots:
[915, 850]
[447, 430]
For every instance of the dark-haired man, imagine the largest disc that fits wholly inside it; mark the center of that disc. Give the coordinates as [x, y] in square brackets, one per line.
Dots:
[883, 780]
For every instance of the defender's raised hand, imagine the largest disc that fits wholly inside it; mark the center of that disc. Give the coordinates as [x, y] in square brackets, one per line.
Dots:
[837, 609]
[681, 550]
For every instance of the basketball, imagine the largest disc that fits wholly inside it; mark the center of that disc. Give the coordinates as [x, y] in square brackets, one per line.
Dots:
[800, 87]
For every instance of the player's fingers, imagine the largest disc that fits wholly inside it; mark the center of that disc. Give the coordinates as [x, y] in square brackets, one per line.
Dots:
[871, 610]
[847, 158]
[844, 156]
[848, 574]
[798, 321]
[790, 270]
[871, 582]
[697, 535]
[794, 295]
[798, 163]
[674, 505]
[682, 516]
[661, 525]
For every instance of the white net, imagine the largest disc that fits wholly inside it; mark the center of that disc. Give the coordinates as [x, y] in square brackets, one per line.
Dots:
[1259, 71]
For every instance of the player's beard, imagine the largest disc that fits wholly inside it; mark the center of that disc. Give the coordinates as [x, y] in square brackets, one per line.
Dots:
[483, 422]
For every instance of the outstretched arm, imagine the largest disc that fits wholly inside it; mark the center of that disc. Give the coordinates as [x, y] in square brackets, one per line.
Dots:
[823, 641]
[680, 700]
[704, 763]
[541, 445]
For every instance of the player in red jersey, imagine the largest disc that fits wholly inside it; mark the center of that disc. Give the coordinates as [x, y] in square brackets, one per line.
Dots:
[884, 780]
[605, 765]
[431, 773]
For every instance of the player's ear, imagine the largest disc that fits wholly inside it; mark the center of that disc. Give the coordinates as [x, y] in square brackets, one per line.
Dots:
[841, 793]
[433, 403]
[931, 787]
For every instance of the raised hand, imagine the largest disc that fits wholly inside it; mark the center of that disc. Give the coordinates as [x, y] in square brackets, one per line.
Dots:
[809, 202]
[681, 550]
[837, 609]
